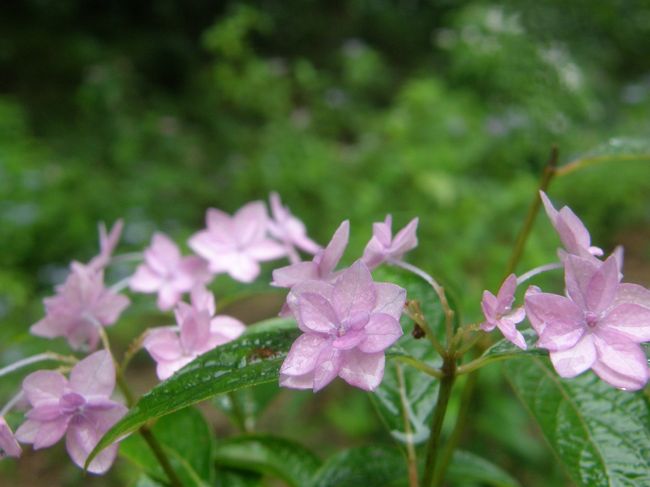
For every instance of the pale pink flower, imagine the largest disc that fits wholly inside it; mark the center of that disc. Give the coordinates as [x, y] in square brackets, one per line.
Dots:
[237, 244]
[289, 230]
[321, 267]
[167, 272]
[573, 233]
[107, 243]
[80, 306]
[81, 409]
[499, 313]
[199, 331]
[8, 445]
[598, 325]
[346, 327]
[383, 247]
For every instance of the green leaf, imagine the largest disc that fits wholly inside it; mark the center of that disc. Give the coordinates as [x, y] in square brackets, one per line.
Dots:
[243, 407]
[269, 455]
[601, 434]
[406, 397]
[371, 466]
[230, 477]
[505, 349]
[252, 359]
[187, 440]
[466, 467]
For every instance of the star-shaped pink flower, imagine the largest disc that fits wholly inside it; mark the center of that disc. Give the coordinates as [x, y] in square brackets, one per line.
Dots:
[498, 312]
[346, 327]
[237, 244]
[8, 445]
[81, 409]
[321, 267]
[598, 325]
[383, 247]
[198, 332]
[80, 306]
[167, 272]
[289, 230]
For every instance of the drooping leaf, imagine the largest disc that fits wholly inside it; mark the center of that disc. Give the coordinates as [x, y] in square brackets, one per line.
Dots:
[466, 467]
[269, 455]
[406, 396]
[252, 359]
[188, 442]
[601, 434]
[376, 466]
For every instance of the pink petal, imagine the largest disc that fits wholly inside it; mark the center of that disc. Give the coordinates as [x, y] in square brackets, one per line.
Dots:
[44, 386]
[8, 444]
[383, 232]
[390, 299]
[195, 331]
[374, 254]
[303, 355]
[556, 319]
[108, 308]
[573, 233]
[574, 361]
[381, 332]
[363, 370]
[49, 432]
[94, 375]
[327, 367]
[168, 297]
[166, 369]
[316, 314]
[250, 222]
[489, 305]
[506, 294]
[163, 344]
[225, 329]
[603, 286]
[305, 381]
[350, 339]
[163, 254]
[620, 363]
[510, 332]
[630, 320]
[203, 299]
[217, 220]
[85, 432]
[331, 255]
[354, 291]
[633, 294]
[49, 327]
[321, 288]
[145, 280]
[405, 240]
[548, 206]
[243, 268]
[577, 275]
[265, 249]
[291, 275]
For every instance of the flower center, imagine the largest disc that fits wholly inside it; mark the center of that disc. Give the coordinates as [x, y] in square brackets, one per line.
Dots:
[71, 402]
[591, 318]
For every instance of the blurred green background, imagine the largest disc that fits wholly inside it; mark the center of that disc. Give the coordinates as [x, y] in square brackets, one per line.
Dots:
[154, 111]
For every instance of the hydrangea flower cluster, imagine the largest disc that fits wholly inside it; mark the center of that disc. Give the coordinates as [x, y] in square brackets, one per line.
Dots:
[598, 324]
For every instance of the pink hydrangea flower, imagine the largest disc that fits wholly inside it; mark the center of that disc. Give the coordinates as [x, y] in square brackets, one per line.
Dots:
[346, 327]
[573, 233]
[8, 445]
[198, 332]
[80, 306]
[81, 409]
[289, 230]
[383, 247]
[107, 243]
[598, 325]
[167, 272]
[321, 267]
[498, 312]
[236, 244]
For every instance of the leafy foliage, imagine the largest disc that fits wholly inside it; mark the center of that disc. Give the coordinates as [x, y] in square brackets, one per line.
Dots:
[599, 434]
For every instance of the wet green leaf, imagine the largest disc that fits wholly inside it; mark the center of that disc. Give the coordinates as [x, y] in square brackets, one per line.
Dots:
[188, 442]
[252, 359]
[599, 433]
[371, 466]
[269, 455]
[468, 467]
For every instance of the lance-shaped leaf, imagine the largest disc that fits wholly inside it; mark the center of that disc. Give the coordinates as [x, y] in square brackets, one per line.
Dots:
[252, 359]
[186, 438]
[269, 455]
[601, 434]
[362, 466]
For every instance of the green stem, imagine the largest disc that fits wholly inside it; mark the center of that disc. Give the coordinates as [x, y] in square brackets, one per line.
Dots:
[161, 456]
[238, 413]
[410, 447]
[421, 366]
[461, 421]
[588, 161]
[444, 394]
[549, 171]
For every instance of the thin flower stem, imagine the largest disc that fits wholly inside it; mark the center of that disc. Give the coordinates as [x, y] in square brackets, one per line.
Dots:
[421, 366]
[120, 285]
[537, 271]
[439, 290]
[422, 323]
[238, 413]
[461, 421]
[481, 362]
[411, 455]
[134, 347]
[12, 402]
[549, 171]
[588, 161]
[161, 456]
[444, 393]
[469, 345]
[41, 357]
